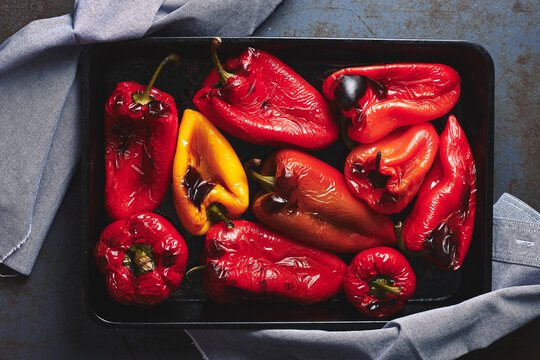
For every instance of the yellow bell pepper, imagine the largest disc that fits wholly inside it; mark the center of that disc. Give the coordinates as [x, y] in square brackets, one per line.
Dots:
[209, 181]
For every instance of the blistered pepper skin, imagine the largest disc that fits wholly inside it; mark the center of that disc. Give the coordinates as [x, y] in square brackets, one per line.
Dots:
[388, 173]
[140, 141]
[442, 218]
[266, 102]
[382, 264]
[381, 98]
[251, 262]
[163, 274]
[312, 203]
[206, 171]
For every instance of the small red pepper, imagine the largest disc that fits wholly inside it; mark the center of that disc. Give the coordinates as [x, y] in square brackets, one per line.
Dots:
[309, 201]
[442, 219]
[143, 259]
[250, 262]
[141, 124]
[381, 98]
[379, 281]
[389, 172]
[265, 102]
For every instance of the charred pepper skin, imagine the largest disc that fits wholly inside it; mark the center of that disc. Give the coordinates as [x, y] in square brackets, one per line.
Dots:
[388, 173]
[140, 139]
[266, 102]
[381, 98]
[251, 262]
[143, 259]
[208, 177]
[379, 281]
[311, 202]
[442, 218]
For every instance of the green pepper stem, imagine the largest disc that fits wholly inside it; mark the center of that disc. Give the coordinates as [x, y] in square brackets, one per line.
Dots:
[144, 98]
[194, 270]
[213, 210]
[398, 232]
[266, 182]
[223, 75]
[347, 141]
[383, 286]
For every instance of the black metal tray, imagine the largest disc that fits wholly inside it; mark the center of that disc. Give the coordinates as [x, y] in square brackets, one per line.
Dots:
[104, 65]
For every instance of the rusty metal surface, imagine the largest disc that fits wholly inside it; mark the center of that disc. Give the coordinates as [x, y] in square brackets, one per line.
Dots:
[43, 316]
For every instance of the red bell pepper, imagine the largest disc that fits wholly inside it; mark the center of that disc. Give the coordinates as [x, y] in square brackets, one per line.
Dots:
[442, 219]
[379, 281]
[143, 259]
[265, 102]
[381, 98]
[388, 173]
[309, 201]
[250, 262]
[141, 124]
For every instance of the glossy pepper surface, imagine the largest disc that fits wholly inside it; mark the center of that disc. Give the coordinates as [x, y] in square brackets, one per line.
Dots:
[379, 281]
[208, 178]
[442, 219]
[388, 173]
[141, 124]
[143, 259]
[265, 102]
[309, 201]
[381, 98]
[251, 262]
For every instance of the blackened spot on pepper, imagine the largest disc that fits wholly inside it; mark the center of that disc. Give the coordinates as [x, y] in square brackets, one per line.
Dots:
[197, 188]
[443, 243]
[265, 104]
[348, 89]
[358, 169]
[124, 134]
[263, 285]
[157, 108]
[168, 260]
[288, 285]
[464, 204]
[377, 179]
[388, 198]
[380, 90]
[273, 203]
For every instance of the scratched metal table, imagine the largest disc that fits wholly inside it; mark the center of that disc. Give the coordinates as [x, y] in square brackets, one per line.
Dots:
[43, 316]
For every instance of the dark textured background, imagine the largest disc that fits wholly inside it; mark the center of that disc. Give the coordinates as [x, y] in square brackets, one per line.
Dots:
[43, 316]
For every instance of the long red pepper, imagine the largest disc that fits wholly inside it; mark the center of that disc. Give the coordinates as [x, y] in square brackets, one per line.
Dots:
[308, 200]
[141, 124]
[381, 98]
[265, 102]
[251, 262]
[389, 172]
[442, 219]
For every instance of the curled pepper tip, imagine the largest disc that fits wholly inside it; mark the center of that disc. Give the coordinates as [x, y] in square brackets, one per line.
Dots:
[174, 58]
[216, 41]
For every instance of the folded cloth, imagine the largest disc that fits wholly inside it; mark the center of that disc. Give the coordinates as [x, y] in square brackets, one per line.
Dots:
[40, 122]
[443, 333]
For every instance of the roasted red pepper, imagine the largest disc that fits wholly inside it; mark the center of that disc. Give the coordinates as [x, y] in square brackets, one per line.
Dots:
[442, 219]
[141, 124]
[309, 201]
[143, 259]
[381, 98]
[265, 102]
[379, 281]
[250, 262]
[389, 172]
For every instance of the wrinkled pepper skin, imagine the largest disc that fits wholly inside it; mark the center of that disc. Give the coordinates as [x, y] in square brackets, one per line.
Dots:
[251, 262]
[442, 218]
[143, 259]
[312, 203]
[266, 102]
[379, 281]
[206, 172]
[381, 98]
[388, 173]
[139, 148]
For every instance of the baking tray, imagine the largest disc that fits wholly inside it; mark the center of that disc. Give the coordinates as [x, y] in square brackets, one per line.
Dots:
[104, 65]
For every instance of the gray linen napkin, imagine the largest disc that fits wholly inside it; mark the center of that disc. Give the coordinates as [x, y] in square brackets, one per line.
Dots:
[40, 121]
[444, 333]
